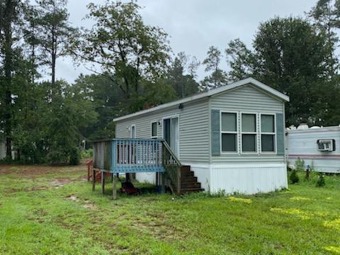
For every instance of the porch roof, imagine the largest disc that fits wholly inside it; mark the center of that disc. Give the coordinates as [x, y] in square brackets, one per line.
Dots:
[210, 93]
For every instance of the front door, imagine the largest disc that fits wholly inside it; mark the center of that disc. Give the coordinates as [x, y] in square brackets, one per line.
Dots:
[171, 133]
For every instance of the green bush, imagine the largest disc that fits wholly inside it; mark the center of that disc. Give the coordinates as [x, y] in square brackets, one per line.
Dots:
[86, 153]
[294, 178]
[74, 157]
[300, 165]
[321, 180]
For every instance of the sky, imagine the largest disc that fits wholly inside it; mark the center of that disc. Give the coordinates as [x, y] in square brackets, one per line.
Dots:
[195, 25]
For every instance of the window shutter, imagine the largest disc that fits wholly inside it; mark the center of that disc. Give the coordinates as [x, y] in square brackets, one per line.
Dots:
[280, 134]
[215, 133]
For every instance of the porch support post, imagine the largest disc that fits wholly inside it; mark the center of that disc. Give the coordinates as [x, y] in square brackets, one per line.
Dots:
[162, 183]
[114, 188]
[93, 179]
[103, 181]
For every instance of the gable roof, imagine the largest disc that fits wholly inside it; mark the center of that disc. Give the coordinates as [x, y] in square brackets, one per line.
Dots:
[209, 93]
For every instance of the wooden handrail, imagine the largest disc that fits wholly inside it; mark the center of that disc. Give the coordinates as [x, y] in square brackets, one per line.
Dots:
[172, 167]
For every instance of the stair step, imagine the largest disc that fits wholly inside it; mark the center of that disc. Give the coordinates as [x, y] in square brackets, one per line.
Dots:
[189, 179]
[184, 191]
[191, 186]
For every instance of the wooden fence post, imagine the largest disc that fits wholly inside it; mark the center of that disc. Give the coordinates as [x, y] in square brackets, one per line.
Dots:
[114, 188]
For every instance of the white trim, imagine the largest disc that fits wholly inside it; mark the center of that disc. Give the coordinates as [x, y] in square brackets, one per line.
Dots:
[209, 93]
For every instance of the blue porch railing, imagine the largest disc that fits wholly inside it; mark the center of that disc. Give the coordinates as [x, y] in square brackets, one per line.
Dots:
[129, 155]
[133, 155]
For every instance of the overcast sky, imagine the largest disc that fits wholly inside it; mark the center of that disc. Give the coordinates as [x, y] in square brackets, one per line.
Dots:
[195, 25]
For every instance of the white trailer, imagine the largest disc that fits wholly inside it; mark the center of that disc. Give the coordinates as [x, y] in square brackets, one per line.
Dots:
[319, 147]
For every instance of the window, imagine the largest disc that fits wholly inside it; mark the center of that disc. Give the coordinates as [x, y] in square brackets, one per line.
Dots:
[267, 133]
[133, 131]
[249, 133]
[229, 132]
[326, 144]
[154, 130]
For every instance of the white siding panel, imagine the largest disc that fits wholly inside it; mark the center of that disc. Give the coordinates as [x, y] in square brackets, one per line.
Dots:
[248, 178]
[302, 144]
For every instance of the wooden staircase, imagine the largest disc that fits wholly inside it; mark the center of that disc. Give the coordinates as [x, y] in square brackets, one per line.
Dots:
[188, 182]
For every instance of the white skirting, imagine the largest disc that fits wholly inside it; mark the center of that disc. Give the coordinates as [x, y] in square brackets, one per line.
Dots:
[243, 178]
[148, 177]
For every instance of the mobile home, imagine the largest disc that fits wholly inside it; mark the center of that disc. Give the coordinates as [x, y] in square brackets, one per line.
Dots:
[232, 137]
[318, 147]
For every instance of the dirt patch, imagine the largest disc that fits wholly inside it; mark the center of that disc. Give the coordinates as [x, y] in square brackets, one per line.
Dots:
[39, 170]
[59, 182]
[87, 204]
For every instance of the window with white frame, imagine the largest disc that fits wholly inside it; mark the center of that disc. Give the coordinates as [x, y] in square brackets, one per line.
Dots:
[154, 129]
[229, 132]
[249, 132]
[267, 133]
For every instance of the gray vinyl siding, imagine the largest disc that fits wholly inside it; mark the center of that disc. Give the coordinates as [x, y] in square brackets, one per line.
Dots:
[143, 124]
[194, 132]
[247, 99]
[193, 120]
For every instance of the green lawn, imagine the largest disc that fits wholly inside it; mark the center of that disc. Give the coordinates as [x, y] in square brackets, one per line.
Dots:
[54, 211]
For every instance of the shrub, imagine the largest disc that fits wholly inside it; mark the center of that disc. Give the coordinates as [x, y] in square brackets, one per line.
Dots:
[87, 153]
[294, 178]
[74, 157]
[321, 180]
[300, 165]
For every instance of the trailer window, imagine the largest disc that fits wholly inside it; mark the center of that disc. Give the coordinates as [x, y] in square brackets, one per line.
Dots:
[326, 144]
[267, 133]
[249, 133]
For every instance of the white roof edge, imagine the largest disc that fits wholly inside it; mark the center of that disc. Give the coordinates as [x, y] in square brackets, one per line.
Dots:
[207, 94]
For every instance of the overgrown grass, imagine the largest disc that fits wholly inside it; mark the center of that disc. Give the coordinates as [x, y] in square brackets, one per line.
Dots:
[54, 211]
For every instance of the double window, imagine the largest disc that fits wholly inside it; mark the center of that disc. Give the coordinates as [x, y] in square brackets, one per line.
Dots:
[247, 132]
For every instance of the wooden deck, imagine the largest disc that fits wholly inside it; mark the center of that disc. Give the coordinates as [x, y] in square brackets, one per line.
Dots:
[119, 156]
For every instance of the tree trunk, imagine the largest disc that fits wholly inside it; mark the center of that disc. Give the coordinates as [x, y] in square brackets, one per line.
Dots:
[8, 68]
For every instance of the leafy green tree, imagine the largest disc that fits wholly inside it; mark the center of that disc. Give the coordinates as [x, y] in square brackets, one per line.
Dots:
[217, 77]
[183, 84]
[51, 33]
[240, 59]
[108, 102]
[295, 59]
[124, 46]
[326, 14]
[8, 38]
